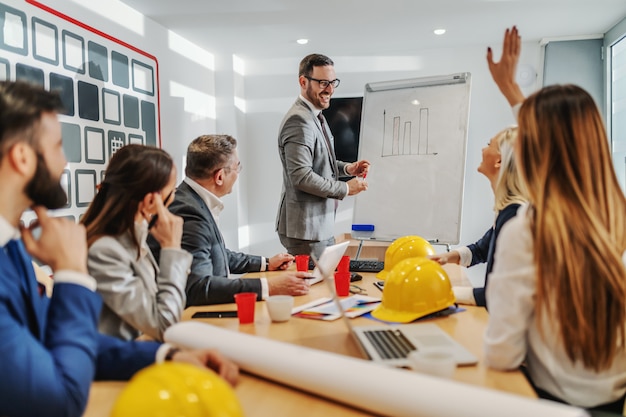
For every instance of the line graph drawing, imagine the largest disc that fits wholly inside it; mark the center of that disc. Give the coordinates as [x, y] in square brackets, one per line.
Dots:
[401, 139]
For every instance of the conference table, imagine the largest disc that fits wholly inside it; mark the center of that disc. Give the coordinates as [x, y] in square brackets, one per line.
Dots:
[261, 397]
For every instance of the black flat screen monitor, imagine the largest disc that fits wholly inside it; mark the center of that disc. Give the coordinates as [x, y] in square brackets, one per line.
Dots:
[344, 119]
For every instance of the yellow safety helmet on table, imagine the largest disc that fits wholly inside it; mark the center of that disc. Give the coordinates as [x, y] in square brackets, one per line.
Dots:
[403, 248]
[172, 389]
[414, 288]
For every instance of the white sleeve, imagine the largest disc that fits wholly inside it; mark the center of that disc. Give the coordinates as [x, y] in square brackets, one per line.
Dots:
[161, 352]
[515, 110]
[464, 295]
[265, 288]
[73, 277]
[510, 295]
[465, 256]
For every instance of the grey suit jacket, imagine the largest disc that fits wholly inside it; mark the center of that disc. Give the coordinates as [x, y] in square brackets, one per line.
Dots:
[310, 177]
[208, 282]
[139, 295]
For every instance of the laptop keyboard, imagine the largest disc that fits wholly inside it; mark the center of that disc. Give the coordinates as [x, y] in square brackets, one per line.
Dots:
[390, 344]
[364, 265]
[360, 265]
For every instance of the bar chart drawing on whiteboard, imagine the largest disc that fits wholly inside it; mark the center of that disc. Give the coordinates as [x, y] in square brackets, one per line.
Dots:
[406, 135]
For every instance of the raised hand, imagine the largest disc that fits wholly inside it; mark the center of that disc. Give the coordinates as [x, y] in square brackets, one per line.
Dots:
[504, 71]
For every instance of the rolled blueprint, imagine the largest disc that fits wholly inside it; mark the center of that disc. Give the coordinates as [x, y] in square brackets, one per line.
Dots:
[348, 380]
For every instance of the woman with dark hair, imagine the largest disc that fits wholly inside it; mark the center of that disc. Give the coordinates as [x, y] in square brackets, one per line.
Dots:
[140, 296]
[557, 294]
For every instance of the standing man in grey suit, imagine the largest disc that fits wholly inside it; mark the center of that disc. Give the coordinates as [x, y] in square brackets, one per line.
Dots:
[212, 168]
[311, 185]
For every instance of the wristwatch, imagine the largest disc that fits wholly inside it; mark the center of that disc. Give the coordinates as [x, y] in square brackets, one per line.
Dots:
[267, 264]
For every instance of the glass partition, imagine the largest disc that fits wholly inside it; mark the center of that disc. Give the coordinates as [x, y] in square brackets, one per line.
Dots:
[617, 127]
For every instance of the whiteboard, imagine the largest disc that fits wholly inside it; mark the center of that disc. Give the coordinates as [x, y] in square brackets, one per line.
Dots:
[414, 133]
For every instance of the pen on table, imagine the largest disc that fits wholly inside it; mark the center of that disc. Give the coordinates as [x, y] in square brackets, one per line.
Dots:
[355, 289]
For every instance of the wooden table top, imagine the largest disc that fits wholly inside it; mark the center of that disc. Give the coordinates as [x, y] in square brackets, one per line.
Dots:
[260, 397]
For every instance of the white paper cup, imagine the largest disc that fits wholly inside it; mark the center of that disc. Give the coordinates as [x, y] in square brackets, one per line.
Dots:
[279, 307]
[439, 363]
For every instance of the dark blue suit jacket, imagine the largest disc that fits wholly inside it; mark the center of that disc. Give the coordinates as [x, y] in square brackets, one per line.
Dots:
[50, 348]
[484, 249]
[208, 283]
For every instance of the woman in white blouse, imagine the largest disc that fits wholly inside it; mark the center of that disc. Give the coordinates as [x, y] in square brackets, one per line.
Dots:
[557, 294]
[140, 296]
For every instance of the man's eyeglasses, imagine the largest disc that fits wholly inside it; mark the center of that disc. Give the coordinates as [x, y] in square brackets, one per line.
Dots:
[238, 168]
[325, 83]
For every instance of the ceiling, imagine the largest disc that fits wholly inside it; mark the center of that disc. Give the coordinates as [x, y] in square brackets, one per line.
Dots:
[269, 28]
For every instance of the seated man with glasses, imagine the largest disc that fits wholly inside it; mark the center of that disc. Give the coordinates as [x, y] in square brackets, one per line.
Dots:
[212, 168]
[311, 185]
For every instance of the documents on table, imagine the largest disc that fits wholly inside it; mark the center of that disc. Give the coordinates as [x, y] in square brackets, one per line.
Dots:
[325, 309]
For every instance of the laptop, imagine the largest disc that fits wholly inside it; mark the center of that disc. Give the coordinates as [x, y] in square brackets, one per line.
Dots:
[329, 259]
[390, 345]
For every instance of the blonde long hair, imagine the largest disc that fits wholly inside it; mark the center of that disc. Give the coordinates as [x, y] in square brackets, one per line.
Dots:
[578, 222]
[509, 188]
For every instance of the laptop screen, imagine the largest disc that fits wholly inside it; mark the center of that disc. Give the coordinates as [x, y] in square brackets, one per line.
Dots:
[326, 269]
[328, 261]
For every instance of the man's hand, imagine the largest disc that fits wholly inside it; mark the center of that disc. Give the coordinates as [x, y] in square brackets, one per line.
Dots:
[212, 359]
[291, 283]
[503, 72]
[280, 262]
[358, 168]
[356, 185]
[62, 244]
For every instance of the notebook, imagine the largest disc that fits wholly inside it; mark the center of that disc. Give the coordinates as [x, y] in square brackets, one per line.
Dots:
[390, 345]
[328, 261]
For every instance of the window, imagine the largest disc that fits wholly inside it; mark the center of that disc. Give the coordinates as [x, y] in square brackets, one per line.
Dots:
[617, 127]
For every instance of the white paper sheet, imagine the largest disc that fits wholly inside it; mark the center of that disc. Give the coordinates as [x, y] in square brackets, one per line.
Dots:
[355, 381]
[325, 309]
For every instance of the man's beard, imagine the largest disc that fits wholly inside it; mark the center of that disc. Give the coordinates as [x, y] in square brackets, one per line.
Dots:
[43, 189]
[314, 98]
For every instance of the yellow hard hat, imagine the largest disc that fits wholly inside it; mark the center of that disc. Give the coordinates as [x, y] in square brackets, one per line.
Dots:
[414, 288]
[403, 248]
[173, 389]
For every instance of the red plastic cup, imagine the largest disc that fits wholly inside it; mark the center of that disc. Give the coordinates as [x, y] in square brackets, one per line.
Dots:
[246, 302]
[302, 263]
[344, 264]
[342, 283]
